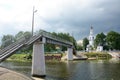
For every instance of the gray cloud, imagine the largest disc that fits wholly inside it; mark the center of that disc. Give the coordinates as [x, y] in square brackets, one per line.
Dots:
[73, 16]
[103, 15]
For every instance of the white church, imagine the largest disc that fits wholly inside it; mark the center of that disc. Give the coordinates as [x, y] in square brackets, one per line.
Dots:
[91, 38]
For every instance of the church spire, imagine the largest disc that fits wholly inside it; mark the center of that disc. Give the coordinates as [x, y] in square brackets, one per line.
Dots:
[91, 30]
[91, 37]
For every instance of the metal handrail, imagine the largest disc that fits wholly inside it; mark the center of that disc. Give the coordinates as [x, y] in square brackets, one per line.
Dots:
[20, 40]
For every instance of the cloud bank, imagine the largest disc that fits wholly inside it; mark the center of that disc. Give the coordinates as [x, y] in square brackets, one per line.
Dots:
[73, 16]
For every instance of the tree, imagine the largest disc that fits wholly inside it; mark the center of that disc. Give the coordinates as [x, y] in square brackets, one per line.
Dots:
[64, 36]
[100, 39]
[19, 35]
[67, 37]
[7, 40]
[79, 47]
[24, 35]
[113, 40]
[85, 43]
[27, 35]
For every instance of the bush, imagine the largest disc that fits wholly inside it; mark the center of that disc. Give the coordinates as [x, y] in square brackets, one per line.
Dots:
[20, 57]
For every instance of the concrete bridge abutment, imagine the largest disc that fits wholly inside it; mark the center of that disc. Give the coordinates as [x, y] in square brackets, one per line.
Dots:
[69, 54]
[38, 61]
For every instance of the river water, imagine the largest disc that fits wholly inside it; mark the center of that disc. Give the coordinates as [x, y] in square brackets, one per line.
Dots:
[73, 70]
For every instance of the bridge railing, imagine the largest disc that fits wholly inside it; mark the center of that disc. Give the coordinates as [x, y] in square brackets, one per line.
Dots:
[25, 38]
[20, 40]
[49, 35]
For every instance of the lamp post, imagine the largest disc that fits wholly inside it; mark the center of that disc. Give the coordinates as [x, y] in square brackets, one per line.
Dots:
[34, 11]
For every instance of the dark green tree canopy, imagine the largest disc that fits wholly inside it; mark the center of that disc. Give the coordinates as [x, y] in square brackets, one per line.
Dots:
[85, 43]
[113, 40]
[64, 36]
[100, 39]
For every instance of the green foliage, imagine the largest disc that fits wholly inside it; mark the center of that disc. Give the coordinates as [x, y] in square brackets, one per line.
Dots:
[79, 47]
[85, 43]
[113, 40]
[22, 34]
[20, 57]
[100, 40]
[50, 47]
[27, 35]
[110, 41]
[7, 40]
[64, 36]
[98, 55]
[19, 35]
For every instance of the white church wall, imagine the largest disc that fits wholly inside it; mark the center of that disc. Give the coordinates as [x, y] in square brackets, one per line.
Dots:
[99, 48]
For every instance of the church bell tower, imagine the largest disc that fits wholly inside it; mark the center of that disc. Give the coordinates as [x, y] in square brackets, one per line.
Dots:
[91, 37]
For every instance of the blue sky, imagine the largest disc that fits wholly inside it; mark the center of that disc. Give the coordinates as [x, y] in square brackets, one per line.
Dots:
[69, 16]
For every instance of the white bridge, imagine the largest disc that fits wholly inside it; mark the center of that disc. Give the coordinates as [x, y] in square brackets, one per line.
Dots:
[38, 41]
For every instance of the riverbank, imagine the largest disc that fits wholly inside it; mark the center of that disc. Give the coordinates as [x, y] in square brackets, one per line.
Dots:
[98, 55]
[6, 74]
[57, 57]
[20, 57]
[28, 57]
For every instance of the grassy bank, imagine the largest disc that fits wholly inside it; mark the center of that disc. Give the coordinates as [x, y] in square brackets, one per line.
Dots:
[20, 57]
[28, 57]
[98, 55]
[56, 57]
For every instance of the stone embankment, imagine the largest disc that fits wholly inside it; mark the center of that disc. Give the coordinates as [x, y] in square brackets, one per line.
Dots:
[114, 54]
[6, 74]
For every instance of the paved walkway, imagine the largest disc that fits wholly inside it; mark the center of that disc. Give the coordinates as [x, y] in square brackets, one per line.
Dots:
[6, 74]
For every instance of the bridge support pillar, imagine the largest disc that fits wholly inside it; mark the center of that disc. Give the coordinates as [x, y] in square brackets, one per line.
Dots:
[38, 61]
[70, 54]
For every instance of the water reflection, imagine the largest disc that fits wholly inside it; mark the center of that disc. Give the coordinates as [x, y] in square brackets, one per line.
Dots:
[114, 60]
[73, 70]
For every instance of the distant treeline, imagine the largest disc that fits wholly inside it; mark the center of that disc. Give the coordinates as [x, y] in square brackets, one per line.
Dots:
[109, 41]
[9, 39]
